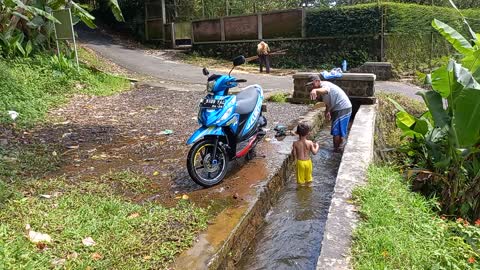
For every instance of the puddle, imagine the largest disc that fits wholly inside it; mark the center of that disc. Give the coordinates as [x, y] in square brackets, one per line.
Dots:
[293, 231]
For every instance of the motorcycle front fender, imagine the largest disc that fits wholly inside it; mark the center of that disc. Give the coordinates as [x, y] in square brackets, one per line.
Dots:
[205, 131]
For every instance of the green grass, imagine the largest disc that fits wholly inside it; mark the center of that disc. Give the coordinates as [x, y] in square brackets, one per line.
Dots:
[127, 235]
[278, 97]
[33, 86]
[24, 161]
[399, 230]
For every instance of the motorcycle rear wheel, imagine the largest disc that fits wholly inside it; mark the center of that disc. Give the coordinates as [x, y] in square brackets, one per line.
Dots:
[201, 168]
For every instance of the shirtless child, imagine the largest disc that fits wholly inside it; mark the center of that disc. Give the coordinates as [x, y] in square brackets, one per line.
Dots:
[301, 153]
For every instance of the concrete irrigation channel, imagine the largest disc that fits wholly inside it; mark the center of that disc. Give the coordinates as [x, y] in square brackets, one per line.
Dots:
[282, 226]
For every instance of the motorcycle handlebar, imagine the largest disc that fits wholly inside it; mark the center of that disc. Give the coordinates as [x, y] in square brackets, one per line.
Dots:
[241, 81]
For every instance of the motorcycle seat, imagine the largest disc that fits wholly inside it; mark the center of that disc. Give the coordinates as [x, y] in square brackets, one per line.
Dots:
[246, 100]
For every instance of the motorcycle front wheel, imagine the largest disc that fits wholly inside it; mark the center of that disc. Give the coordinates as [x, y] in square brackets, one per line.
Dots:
[203, 168]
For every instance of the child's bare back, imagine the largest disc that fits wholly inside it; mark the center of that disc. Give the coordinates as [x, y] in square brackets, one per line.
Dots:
[301, 150]
[303, 147]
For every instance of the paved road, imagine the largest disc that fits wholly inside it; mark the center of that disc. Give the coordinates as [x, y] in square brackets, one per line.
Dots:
[164, 69]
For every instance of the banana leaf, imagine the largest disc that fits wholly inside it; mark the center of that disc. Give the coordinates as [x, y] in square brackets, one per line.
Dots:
[434, 102]
[461, 44]
[472, 62]
[466, 117]
[117, 12]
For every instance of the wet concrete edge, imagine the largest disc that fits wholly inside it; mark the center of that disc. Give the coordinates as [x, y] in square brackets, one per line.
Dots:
[244, 232]
[237, 241]
[342, 217]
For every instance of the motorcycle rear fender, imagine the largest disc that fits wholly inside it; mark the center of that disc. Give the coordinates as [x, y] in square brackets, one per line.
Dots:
[205, 131]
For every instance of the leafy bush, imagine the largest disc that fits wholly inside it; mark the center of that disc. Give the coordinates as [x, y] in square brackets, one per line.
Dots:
[279, 97]
[400, 231]
[27, 26]
[313, 53]
[344, 21]
[388, 138]
[446, 139]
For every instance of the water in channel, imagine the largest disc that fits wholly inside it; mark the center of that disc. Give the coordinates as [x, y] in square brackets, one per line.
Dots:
[292, 235]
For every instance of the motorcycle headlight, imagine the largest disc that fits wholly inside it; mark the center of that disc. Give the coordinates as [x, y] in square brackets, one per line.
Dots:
[210, 86]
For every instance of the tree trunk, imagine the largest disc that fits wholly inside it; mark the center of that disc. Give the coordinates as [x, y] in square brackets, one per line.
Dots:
[15, 19]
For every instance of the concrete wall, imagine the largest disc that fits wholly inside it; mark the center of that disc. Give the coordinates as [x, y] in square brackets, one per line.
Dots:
[360, 87]
[241, 28]
[286, 24]
[272, 25]
[342, 217]
[383, 70]
[208, 30]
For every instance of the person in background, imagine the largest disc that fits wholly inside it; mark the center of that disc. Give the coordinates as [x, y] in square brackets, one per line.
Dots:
[263, 52]
[338, 108]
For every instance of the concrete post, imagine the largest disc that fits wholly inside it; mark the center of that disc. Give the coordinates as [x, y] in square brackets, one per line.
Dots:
[164, 20]
[260, 26]
[304, 32]
[222, 29]
[164, 13]
[146, 21]
[174, 44]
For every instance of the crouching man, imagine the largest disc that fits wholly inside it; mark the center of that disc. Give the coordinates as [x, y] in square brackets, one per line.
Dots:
[338, 108]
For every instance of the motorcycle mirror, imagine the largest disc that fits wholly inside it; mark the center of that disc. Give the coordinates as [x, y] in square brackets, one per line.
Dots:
[239, 60]
[205, 71]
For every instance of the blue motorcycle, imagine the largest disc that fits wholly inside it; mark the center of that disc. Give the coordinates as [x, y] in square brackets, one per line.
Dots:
[231, 127]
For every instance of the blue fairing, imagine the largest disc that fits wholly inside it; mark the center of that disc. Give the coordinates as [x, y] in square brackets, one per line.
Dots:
[218, 117]
[205, 131]
[255, 114]
[223, 83]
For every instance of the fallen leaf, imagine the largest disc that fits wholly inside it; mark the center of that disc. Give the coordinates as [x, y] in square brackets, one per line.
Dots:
[471, 260]
[185, 197]
[155, 173]
[37, 237]
[134, 215]
[41, 245]
[58, 262]
[147, 257]
[73, 146]
[97, 256]
[385, 254]
[477, 222]
[88, 242]
[267, 139]
[54, 153]
[72, 256]
[45, 196]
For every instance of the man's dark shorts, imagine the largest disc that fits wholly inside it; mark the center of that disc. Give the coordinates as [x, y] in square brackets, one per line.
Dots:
[340, 121]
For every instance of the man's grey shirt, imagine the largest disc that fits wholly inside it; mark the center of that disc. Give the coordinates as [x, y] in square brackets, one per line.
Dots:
[336, 99]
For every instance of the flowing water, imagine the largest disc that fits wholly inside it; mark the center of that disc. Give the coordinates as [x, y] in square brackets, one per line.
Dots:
[292, 235]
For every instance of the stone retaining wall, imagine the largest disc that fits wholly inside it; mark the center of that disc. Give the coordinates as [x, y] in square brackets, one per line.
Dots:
[360, 87]
[383, 70]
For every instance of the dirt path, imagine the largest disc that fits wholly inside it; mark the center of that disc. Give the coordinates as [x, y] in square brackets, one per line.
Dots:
[98, 135]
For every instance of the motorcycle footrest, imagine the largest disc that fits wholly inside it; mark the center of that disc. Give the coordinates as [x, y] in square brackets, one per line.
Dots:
[264, 107]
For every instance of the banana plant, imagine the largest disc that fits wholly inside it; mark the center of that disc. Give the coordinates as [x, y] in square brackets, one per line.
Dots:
[447, 136]
[34, 19]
